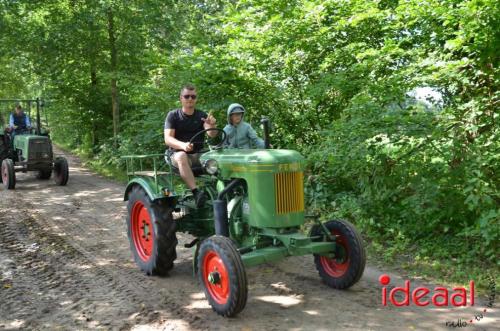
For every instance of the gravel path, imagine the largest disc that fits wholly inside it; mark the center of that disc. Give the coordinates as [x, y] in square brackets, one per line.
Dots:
[65, 264]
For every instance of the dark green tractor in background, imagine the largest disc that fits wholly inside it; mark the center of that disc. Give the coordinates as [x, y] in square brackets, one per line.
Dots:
[29, 150]
[254, 215]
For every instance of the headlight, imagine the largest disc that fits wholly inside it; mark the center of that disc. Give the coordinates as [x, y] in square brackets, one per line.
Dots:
[211, 166]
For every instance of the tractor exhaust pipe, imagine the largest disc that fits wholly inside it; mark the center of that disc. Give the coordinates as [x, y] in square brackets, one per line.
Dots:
[220, 215]
[220, 210]
[265, 125]
[38, 122]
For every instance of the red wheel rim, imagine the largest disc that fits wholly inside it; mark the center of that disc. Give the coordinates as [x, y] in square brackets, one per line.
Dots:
[334, 267]
[216, 277]
[5, 175]
[142, 231]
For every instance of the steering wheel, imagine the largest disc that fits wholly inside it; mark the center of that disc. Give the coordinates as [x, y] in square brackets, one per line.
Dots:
[22, 131]
[219, 145]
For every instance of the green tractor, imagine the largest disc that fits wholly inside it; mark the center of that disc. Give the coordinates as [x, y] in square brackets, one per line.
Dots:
[254, 215]
[28, 149]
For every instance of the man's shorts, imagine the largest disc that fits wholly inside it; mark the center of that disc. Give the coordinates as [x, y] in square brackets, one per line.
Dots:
[193, 159]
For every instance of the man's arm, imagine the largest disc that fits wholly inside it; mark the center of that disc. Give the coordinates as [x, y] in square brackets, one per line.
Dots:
[11, 121]
[27, 121]
[174, 143]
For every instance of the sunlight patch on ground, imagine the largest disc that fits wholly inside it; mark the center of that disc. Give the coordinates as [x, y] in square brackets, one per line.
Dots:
[15, 324]
[282, 287]
[83, 266]
[120, 199]
[169, 325]
[103, 262]
[284, 301]
[198, 296]
[198, 304]
[65, 303]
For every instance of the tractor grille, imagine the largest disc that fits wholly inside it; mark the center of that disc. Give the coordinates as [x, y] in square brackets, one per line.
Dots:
[289, 192]
[39, 149]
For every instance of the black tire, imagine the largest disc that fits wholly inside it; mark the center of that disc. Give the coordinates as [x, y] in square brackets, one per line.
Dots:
[43, 174]
[227, 291]
[347, 268]
[155, 253]
[61, 171]
[8, 174]
[4, 153]
[4, 149]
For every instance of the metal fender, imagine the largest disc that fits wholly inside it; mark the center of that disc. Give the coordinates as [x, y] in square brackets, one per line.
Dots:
[148, 185]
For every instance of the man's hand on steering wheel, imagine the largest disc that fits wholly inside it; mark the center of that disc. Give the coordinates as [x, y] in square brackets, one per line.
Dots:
[222, 140]
[187, 147]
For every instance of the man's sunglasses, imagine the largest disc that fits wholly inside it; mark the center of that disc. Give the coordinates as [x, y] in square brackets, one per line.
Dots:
[188, 96]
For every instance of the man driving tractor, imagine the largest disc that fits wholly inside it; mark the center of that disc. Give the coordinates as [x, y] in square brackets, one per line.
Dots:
[18, 122]
[181, 125]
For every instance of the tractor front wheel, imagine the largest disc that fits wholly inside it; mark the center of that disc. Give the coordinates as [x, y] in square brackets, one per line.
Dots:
[151, 232]
[8, 174]
[347, 266]
[222, 275]
[61, 171]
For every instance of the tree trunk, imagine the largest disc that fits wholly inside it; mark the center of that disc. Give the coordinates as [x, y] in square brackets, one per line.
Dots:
[93, 101]
[114, 88]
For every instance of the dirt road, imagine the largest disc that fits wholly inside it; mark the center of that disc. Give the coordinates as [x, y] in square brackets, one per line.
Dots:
[65, 264]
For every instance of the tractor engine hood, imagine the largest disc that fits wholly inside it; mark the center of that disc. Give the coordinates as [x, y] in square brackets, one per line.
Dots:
[256, 160]
[275, 182]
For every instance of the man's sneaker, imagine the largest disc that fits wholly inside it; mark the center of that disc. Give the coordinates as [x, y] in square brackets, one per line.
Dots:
[200, 198]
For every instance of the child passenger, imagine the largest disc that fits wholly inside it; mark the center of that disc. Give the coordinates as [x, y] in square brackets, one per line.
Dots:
[240, 134]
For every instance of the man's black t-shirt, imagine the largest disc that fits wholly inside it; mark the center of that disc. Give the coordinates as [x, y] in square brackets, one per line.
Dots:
[186, 126]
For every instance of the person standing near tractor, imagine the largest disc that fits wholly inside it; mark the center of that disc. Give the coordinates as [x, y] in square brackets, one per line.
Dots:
[240, 134]
[180, 126]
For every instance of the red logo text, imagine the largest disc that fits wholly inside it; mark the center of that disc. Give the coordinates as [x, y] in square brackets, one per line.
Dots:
[439, 296]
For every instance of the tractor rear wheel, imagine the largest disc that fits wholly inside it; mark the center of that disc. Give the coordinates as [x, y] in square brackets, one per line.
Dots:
[346, 268]
[151, 232]
[61, 171]
[222, 275]
[8, 174]
[4, 148]
[43, 174]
